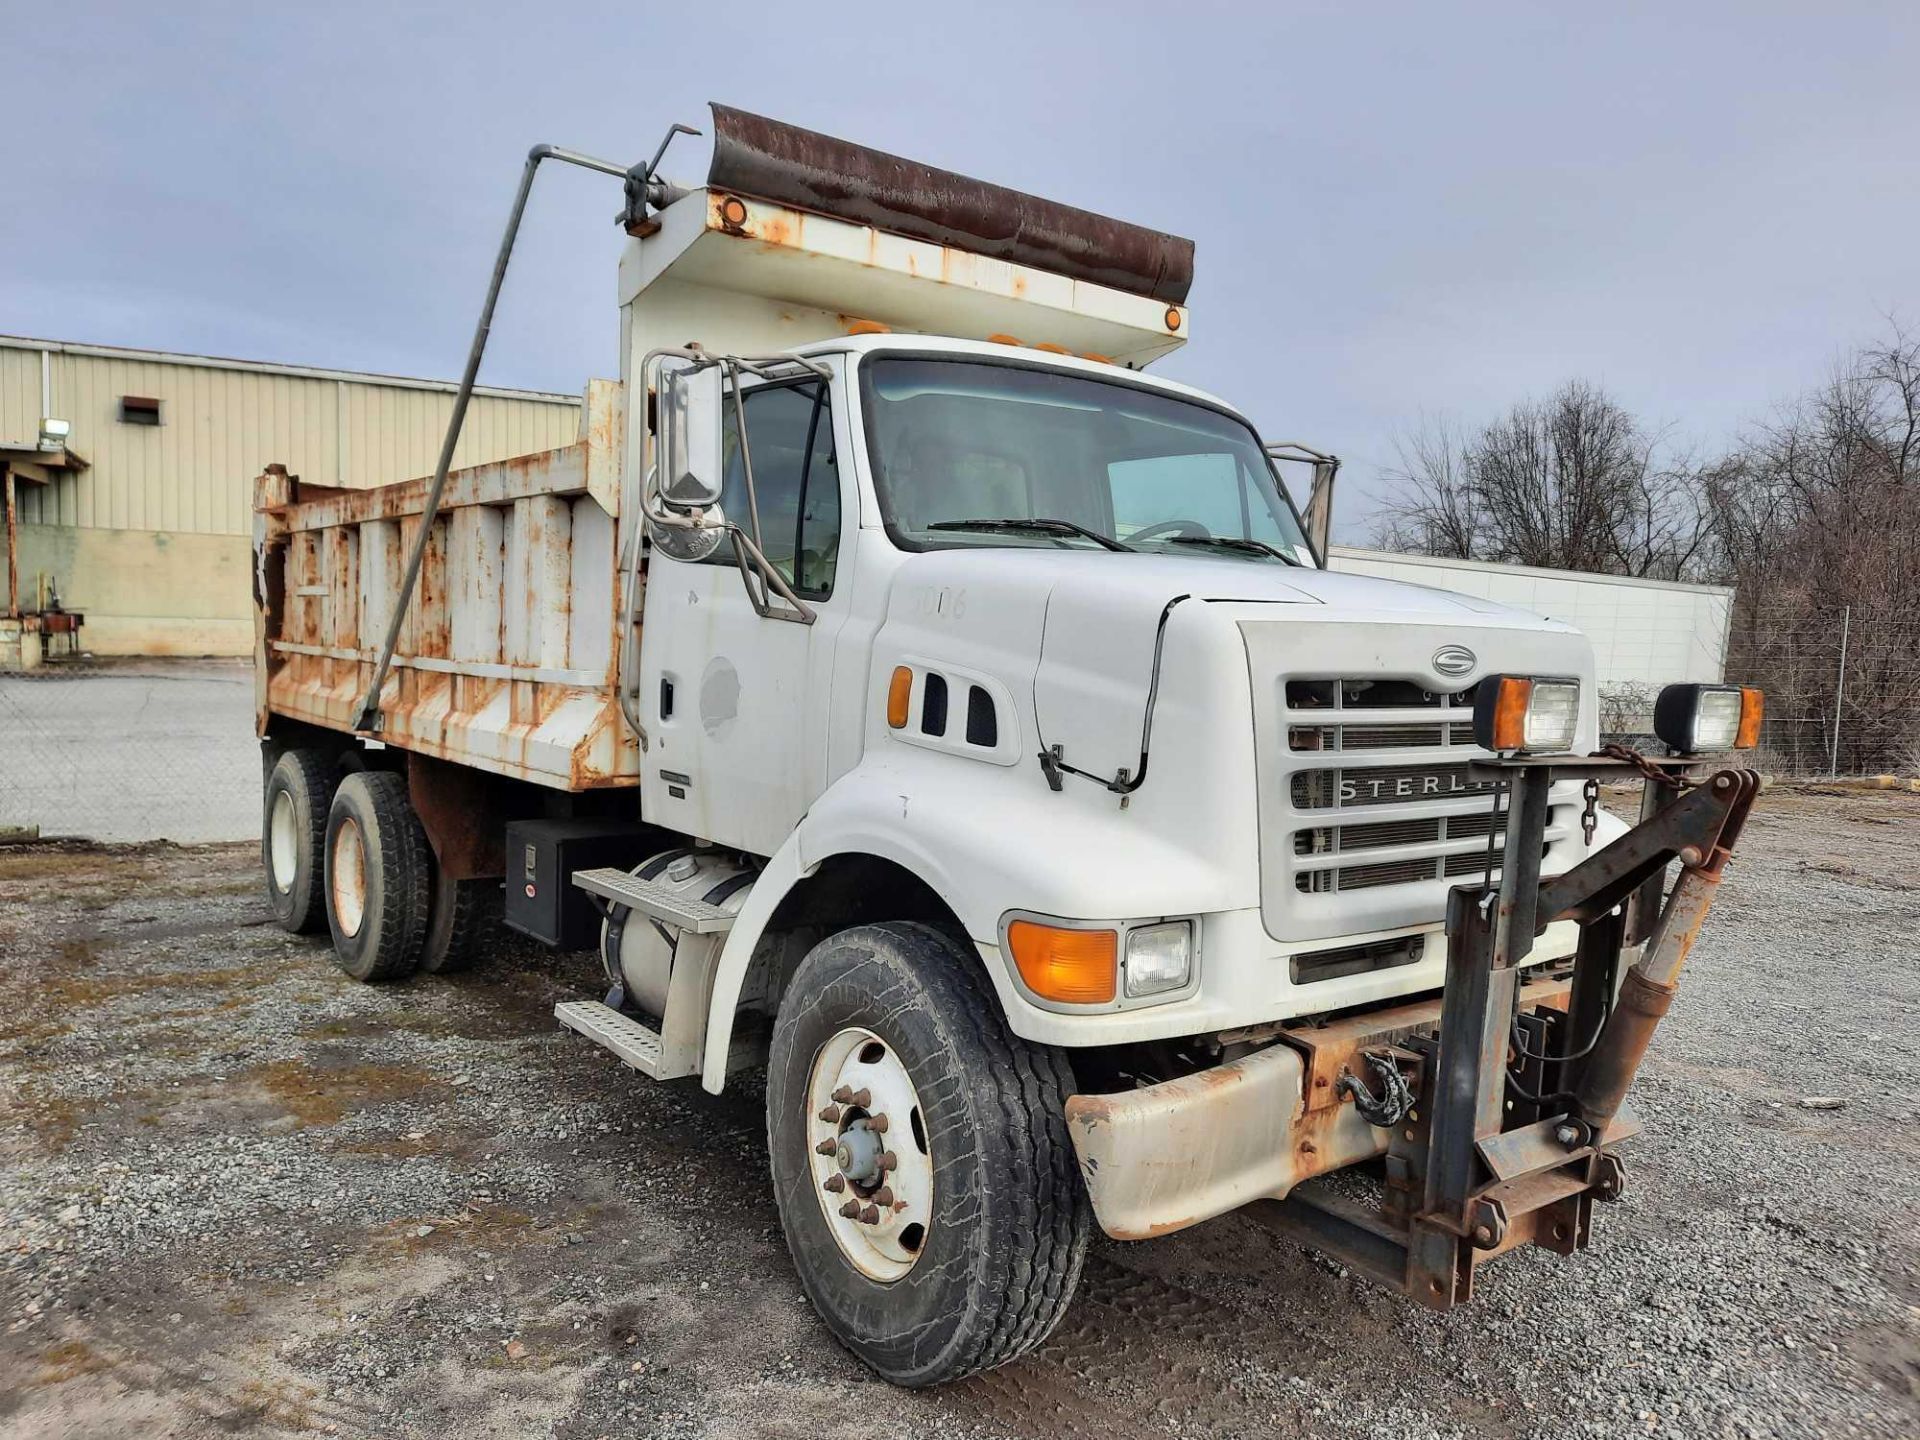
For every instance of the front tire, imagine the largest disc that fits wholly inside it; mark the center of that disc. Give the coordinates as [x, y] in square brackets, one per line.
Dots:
[293, 838]
[963, 1254]
[378, 877]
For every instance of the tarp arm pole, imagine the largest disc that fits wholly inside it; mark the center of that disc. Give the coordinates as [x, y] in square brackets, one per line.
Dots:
[368, 717]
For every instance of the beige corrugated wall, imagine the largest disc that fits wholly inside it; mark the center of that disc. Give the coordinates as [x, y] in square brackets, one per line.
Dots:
[192, 475]
[219, 428]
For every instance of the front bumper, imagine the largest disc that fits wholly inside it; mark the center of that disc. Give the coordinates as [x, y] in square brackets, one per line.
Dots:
[1163, 1157]
[1496, 1118]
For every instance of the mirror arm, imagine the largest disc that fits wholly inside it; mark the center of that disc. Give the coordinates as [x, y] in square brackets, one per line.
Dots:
[801, 613]
[746, 468]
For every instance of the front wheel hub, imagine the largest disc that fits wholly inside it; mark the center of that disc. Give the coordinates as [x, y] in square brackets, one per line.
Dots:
[872, 1170]
[859, 1154]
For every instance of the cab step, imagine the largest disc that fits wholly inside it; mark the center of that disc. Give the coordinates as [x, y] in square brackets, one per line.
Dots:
[661, 902]
[637, 1044]
[641, 1046]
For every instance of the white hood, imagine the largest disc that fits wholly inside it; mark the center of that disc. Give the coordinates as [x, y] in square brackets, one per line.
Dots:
[1098, 615]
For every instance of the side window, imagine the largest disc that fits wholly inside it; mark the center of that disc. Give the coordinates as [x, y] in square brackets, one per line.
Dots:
[796, 482]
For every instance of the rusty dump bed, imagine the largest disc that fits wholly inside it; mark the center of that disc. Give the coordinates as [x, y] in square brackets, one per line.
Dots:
[507, 657]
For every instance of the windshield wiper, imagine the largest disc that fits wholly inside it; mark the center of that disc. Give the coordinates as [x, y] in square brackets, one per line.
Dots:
[1039, 524]
[1234, 542]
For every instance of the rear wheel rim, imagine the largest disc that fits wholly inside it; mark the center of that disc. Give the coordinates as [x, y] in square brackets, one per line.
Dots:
[868, 1154]
[347, 877]
[283, 842]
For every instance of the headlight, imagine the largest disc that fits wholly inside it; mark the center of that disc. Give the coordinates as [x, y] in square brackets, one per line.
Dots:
[1159, 958]
[1077, 963]
[1692, 718]
[1517, 713]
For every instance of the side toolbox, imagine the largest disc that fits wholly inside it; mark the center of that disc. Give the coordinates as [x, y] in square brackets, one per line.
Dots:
[542, 857]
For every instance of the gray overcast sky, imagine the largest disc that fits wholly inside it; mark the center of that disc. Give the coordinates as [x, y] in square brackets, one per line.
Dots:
[1398, 208]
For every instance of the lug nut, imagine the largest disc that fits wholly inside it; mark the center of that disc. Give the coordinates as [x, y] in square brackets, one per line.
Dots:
[862, 1098]
[889, 1161]
[850, 1210]
[877, 1124]
[831, 1114]
[826, 1147]
[836, 1182]
[883, 1196]
[844, 1094]
[870, 1215]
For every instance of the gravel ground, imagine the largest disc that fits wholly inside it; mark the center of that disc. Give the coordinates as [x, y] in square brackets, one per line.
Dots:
[242, 1195]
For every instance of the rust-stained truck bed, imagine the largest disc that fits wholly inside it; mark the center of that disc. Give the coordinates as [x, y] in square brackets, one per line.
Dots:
[507, 658]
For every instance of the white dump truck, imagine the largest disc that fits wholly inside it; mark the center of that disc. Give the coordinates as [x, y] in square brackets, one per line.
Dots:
[911, 697]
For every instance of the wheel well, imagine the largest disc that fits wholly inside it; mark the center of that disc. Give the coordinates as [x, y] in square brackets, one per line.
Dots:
[844, 891]
[859, 889]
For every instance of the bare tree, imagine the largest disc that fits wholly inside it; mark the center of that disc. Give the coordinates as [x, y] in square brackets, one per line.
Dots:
[1437, 509]
[1818, 514]
[1571, 483]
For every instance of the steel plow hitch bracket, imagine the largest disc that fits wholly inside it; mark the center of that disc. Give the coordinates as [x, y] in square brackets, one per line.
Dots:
[1517, 1104]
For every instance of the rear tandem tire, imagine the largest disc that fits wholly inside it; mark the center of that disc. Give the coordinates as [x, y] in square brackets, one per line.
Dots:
[459, 912]
[293, 838]
[378, 877]
[994, 1267]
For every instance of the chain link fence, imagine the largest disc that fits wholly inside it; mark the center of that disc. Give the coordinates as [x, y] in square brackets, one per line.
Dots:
[129, 750]
[1842, 687]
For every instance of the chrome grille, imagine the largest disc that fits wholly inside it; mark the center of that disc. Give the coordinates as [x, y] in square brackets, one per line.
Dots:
[1382, 784]
[1357, 745]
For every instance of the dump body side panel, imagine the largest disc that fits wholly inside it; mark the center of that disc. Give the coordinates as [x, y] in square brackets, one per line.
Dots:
[507, 657]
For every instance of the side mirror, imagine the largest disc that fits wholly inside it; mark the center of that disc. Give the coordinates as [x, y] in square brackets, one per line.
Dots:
[1319, 515]
[687, 436]
[1318, 512]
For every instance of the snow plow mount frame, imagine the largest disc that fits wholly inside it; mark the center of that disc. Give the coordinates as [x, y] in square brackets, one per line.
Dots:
[1509, 1140]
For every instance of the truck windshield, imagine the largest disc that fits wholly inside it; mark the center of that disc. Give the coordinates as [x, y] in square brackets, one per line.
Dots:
[953, 441]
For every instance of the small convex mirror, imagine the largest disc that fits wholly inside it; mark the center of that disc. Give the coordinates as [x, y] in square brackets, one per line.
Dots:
[687, 433]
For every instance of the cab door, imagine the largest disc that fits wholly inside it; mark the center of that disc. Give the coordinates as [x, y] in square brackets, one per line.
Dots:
[729, 694]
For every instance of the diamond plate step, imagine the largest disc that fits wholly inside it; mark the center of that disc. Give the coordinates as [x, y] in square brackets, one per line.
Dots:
[624, 1036]
[649, 897]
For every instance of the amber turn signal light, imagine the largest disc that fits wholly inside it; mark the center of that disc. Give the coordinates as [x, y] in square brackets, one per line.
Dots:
[899, 692]
[1503, 701]
[1073, 967]
[1753, 709]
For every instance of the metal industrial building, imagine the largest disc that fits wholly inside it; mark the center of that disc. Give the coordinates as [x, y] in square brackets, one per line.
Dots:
[1645, 633]
[131, 474]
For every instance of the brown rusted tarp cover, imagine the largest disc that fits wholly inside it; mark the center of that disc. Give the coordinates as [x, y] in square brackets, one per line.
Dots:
[782, 163]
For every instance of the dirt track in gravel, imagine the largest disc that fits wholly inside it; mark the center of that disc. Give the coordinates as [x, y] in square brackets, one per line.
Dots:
[241, 1195]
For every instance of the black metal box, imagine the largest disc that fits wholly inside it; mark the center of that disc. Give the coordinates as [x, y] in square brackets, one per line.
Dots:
[542, 856]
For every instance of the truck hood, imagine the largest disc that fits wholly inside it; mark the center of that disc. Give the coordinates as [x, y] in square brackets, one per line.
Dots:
[1081, 627]
[1124, 585]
